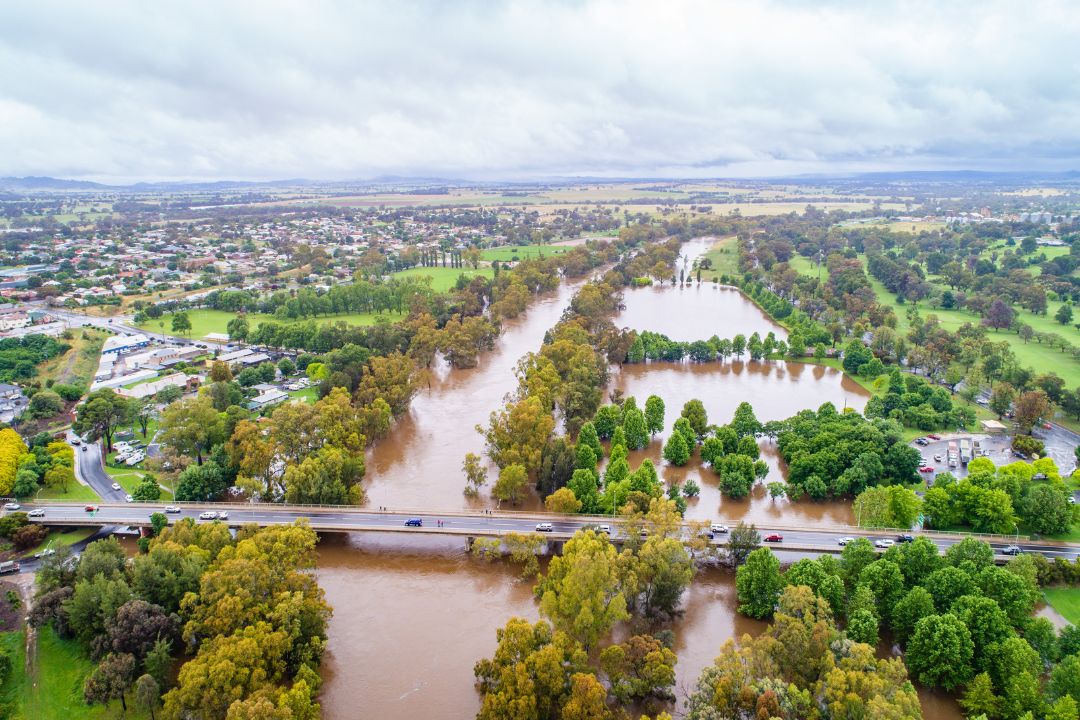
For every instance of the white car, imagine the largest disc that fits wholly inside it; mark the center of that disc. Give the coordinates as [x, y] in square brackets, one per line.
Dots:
[208, 515]
[606, 529]
[223, 515]
[884, 543]
[38, 512]
[718, 528]
[172, 509]
[128, 498]
[12, 506]
[135, 459]
[544, 527]
[116, 486]
[845, 540]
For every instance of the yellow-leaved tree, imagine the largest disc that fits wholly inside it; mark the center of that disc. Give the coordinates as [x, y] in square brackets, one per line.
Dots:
[12, 448]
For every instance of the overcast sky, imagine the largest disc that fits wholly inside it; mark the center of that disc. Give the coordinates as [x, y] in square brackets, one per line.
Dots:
[267, 90]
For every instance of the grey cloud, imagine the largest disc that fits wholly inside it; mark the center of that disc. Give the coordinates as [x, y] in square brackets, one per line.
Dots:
[130, 90]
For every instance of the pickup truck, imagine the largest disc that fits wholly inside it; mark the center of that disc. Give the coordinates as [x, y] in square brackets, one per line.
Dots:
[9, 566]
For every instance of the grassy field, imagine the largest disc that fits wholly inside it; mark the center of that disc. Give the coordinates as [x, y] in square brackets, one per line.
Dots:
[307, 394]
[204, 322]
[521, 252]
[1066, 601]
[77, 365]
[442, 279]
[724, 256]
[62, 539]
[76, 492]
[52, 689]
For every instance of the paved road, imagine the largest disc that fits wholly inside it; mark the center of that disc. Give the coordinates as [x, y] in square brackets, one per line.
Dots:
[89, 468]
[464, 524]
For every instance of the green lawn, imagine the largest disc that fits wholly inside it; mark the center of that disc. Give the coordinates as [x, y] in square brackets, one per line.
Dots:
[53, 689]
[1066, 601]
[444, 278]
[129, 478]
[724, 256]
[310, 394]
[63, 539]
[204, 322]
[76, 492]
[521, 252]
[808, 267]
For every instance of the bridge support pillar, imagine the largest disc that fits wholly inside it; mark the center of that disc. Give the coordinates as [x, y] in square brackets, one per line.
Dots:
[469, 543]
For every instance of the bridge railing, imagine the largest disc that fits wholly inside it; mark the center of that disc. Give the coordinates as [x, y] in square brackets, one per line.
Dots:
[299, 508]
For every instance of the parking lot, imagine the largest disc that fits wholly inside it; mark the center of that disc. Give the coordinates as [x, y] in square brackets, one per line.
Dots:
[995, 447]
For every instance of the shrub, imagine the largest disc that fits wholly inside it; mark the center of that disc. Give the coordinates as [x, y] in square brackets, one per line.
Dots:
[29, 536]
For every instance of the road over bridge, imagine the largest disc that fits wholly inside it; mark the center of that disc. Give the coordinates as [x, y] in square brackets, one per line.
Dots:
[473, 524]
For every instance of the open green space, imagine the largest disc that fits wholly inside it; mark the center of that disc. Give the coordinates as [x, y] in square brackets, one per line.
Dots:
[724, 256]
[58, 539]
[309, 394]
[444, 278]
[52, 687]
[205, 321]
[1066, 601]
[76, 492]
[77, 365]
[521, 252]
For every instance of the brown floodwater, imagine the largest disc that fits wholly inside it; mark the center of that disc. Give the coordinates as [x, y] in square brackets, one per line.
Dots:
[409, 624]
[410, 620]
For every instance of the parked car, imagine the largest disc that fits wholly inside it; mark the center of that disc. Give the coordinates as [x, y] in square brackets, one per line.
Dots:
[935, 438]
[1012, 550]
[845, 540]
[774, 538]
[718, 528]
[12, 506]
[36, 512]
[414, 522]
[938, 458]
[905, 538]
[44, 553]
[1047, 426]
[884, 543]
[922, 441]
[208, 515]
[171, 509]
[116, 486]
[926, 469]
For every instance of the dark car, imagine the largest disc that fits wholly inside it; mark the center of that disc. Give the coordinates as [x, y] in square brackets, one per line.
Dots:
[774, 538]
[905, 538]
[414, 522]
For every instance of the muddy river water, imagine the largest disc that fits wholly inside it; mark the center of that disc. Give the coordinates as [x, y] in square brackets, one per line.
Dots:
[412, 616]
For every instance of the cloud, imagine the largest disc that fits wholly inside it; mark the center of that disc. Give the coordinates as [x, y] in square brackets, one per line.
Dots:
[260, 90]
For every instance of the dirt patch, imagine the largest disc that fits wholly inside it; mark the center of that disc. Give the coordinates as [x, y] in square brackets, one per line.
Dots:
[11, 615]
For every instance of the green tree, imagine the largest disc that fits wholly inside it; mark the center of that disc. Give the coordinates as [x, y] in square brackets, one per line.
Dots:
[745, 423]
[181, 323]
[587, 436]
[939, 652]
[675, 450]
[511, 483]
[654, 414]
[475, 474]
[907, 612]
[238, 329]
[979, 698]
[191, 426]
[947, 584]
[147, 694]
[147, 490]
[638, 668]
[863, 627]
[100, 415]
[1046, 509]
[110, 680]
[694, 413]
[885, 580]
[637, 433]
[758, 583]
[1064, 314]
[742, 540]
[581, 592]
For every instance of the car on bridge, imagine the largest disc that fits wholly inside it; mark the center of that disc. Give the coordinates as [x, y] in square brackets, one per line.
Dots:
[884, 543]
[414, 522]
[1012, 550]
[905, 538]
[545, 527]
[774, 538]
[172, 509]
[208, 515]
[90, 508]
[845, 540]
[12, 507]
[718, 528]
[37, 512]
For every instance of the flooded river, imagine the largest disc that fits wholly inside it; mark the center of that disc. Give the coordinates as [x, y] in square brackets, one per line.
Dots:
[411, 617]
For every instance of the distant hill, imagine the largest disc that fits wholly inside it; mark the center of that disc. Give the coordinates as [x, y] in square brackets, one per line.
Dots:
[48, 183]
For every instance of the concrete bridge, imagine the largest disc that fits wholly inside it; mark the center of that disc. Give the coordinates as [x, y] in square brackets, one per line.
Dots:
[474, 524]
